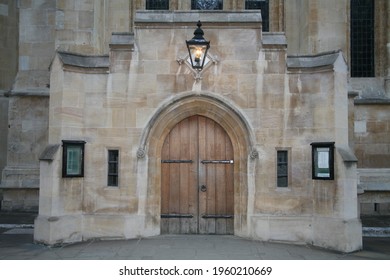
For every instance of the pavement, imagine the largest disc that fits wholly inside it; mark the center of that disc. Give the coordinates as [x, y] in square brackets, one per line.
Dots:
[16, 243]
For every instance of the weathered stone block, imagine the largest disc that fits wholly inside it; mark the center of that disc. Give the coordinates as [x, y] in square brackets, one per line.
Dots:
[86, 19]
[342, 230]
[262, 100]
[43, 4]
[85, 5]
[54, 230]
[71, 19]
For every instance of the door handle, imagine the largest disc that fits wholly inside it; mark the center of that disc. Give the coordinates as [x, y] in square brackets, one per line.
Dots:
[203, 188]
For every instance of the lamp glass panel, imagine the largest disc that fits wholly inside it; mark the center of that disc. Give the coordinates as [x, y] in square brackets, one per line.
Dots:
[197, 53]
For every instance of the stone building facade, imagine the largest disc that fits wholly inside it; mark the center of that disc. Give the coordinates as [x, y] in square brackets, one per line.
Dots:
[104, 105]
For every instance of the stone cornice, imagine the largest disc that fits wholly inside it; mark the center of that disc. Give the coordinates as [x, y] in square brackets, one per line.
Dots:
[372, 101]
[326, 59]
[211, 19]
[36, 92]
[84, 63]
[274, 39]
[122, 41]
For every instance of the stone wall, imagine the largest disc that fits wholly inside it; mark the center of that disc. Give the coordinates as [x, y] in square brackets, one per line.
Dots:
[78, 26]
[28, 104]
[86, 26]
[374, 195]
[262, 98]
[321, 26]
[33, 31]
[372, 130]
[9, 32]
[277, 10]
[372, 147]
[8, 43]
[372, 123]
[27, 135]
[36, 43]
[4, 129]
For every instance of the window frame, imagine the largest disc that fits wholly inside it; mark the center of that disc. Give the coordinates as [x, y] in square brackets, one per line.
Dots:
[66, 145]
[117, 163]
[288, 167]
[316, 174]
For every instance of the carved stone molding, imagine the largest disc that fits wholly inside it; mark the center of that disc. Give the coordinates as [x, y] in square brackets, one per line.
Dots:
[254, 154]
[141, 153]
[210, 60]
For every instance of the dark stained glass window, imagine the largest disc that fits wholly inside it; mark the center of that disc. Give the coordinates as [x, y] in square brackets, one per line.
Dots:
[362, 38]
[206, 4]
[157, 4]
[262, 5]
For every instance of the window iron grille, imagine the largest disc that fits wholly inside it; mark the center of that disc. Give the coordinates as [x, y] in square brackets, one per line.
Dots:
[113, 168]
[206, 4]
[282, 169]
[362, 38]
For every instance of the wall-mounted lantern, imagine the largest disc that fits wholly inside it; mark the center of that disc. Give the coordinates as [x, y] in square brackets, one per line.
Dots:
[197, 48]
[323, 160]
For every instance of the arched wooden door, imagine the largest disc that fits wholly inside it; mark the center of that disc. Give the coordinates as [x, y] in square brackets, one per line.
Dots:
[197, 194]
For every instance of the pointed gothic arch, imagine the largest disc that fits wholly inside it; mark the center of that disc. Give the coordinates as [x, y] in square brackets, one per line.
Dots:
[230, 118]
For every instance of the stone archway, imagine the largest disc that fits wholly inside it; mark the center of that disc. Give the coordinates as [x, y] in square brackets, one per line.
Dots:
[166, 117]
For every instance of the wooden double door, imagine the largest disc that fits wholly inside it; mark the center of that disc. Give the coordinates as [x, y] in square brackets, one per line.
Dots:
[197, 188]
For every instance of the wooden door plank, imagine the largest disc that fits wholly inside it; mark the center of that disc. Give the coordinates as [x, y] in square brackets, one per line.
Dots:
[210, 175]
[202, 175]
[184, 174]
[193, 175]
[174, 183]
[229, 186]
[165, 180]
[220, 195]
